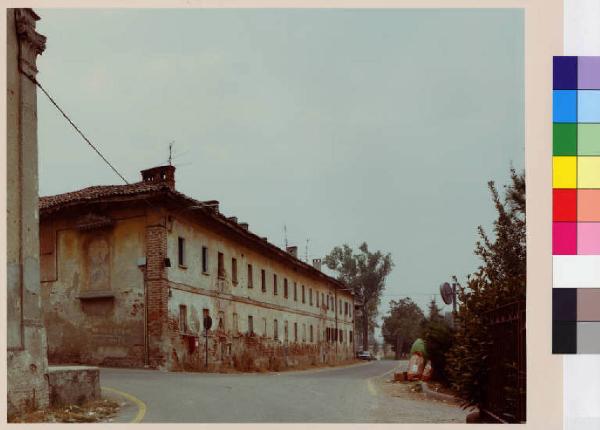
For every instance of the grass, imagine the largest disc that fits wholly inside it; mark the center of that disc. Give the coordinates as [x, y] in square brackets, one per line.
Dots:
[91, 412]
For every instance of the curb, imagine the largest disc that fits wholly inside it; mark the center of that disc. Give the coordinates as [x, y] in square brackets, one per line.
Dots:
[438, 396]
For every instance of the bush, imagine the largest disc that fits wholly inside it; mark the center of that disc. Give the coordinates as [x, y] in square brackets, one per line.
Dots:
[438, 338]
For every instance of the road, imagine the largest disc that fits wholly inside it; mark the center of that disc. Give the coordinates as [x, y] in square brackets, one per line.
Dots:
[331, 395]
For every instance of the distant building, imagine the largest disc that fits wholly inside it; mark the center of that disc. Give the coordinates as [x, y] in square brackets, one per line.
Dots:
[130, 271]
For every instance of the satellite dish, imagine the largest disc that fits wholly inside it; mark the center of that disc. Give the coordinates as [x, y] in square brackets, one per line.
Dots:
[447, 293]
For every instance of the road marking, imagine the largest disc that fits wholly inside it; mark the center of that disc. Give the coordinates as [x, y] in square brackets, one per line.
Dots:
[141, 405]
[371, 387]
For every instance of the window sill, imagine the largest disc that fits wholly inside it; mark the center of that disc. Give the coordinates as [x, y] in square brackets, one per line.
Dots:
[182, 266]
[91, 295]
[206, 273]
[187, 334]
[235, 283]
[221, 277]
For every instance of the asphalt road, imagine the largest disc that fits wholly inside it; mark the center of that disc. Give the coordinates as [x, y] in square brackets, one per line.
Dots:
[341, 395]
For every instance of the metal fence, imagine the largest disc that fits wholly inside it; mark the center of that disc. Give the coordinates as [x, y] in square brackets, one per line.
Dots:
[505, 394]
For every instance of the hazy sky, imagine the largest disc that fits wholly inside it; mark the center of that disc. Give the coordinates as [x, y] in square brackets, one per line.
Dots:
[344, 125]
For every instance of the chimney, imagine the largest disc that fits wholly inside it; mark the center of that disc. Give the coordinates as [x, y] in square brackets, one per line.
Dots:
[233, 218]
[212, 204]
[244, 225]
[292, 250]
[317, 263]
[160, 175]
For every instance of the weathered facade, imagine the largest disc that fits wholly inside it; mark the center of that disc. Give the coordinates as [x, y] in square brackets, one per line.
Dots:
[26, 338]
[128, 273]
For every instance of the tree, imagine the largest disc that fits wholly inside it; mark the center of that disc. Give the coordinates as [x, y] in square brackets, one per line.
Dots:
[434, 311]
[499, 280]
[404, 321]
[364, 273]
[437, 335]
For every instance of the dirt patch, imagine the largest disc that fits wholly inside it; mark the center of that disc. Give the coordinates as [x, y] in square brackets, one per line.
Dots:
[413, 390]
[440, 388]
[97, 411]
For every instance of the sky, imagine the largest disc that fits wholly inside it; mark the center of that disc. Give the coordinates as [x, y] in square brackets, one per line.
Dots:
[343, 126]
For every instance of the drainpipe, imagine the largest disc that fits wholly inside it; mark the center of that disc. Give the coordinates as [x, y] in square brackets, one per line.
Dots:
[146, 350]
[335, 309]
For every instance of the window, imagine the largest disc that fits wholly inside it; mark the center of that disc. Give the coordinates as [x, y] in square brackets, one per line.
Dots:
[264, 326]
[221, 320]
[263, 281]
[236, 328]
[183, 328]
[303, 332]
[221, 266]
[303, 296]
[234, 278]
[311, 333]
[285, 288]
[317, 294]
[345, 308]
[295, 292]
[204, 259]
[328, 301]
[274, 284]
[205, 313]
[250, 325]
[350, 336]
[310, 301]
[285, 331]
[275, 330]
[341, 336]
[322, 299]
[295, 332]
[250, 277]
[340, 306]
[350, 310]
[181, 251]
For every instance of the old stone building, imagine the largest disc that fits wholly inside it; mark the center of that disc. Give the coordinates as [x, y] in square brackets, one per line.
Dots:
[130, 271]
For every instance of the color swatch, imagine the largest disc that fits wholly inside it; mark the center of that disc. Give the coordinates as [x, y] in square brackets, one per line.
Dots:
[576, 321]
[576, 205]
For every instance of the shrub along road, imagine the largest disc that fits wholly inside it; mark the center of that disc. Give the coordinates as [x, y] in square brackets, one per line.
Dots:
[350, 394]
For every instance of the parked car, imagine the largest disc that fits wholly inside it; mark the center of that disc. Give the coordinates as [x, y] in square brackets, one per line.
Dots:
[365, 355]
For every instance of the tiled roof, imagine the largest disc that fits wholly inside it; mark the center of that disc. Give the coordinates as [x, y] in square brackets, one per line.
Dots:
[51, 204]
[99, 192]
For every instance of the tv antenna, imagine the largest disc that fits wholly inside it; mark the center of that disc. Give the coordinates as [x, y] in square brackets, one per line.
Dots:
[285, 241]
[306, 251]
[171, 152]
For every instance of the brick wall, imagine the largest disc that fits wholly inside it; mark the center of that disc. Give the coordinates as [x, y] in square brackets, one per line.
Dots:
[157, 295]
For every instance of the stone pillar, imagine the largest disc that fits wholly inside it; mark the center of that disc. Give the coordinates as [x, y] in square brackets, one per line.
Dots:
[26, 336]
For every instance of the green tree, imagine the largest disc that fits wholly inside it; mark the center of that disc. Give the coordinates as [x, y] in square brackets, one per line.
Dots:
[435, 313]
[499, 280]
[364, 272]
[437, 335]
[403, 322]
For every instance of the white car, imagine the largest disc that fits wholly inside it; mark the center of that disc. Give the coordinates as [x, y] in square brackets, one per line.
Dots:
[365, 355]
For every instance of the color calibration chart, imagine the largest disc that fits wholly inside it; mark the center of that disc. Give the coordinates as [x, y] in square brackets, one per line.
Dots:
[576, 205]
